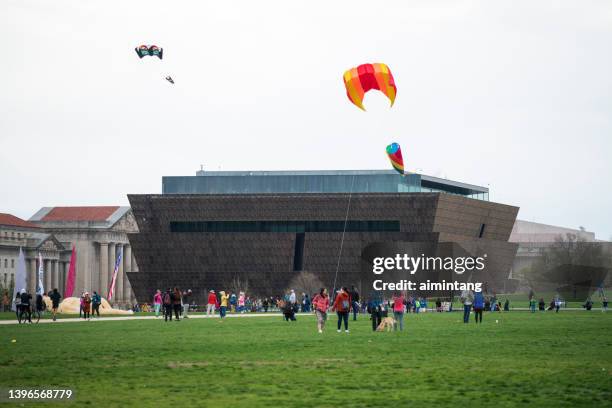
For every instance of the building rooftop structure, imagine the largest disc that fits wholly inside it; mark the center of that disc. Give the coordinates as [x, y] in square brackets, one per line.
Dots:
[9, 220]
[79, 217]
[316, 181]
[533, 232]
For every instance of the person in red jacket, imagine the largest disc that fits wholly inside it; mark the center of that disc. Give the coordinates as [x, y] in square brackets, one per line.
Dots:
[321, 303]
[212, 302]
[342, 306]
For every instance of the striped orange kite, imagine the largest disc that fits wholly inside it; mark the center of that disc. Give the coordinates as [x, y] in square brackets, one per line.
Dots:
[365, 77]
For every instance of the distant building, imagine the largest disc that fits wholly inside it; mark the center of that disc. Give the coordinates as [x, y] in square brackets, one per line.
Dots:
[533, 238]
[16, 233]
[99, 234]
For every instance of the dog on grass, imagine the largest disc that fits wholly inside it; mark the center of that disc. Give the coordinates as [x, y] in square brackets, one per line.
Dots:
[388, 324]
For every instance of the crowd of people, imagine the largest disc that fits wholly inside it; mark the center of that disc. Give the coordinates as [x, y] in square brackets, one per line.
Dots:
[26, 304]
[175, 304]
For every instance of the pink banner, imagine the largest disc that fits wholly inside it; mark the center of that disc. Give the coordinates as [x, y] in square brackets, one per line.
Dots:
[71, 274]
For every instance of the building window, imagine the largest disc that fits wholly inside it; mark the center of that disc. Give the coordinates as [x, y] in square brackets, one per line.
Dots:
[12, 263]
[482, 230]
[285, 226]
[298, 253]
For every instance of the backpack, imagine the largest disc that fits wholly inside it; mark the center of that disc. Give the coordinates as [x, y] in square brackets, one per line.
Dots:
[167, 299]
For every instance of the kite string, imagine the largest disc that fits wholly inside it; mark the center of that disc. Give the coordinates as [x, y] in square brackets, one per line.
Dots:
[348, 207]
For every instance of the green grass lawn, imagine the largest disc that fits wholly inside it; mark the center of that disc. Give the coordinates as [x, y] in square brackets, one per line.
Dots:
[536, 360]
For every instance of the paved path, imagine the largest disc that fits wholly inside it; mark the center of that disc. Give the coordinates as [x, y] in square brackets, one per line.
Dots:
[122, 318]
[216, 316]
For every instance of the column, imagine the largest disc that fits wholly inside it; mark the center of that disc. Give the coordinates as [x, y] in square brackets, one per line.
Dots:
[55, 275]
[47, 274]
[111, 266]
[120, 276]
[65, 276]
[31, 283]
[103, 268]
[127, 267]
[60, 278]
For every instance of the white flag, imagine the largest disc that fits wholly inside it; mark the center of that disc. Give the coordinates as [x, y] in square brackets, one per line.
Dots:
[20, 277]
[41, 272]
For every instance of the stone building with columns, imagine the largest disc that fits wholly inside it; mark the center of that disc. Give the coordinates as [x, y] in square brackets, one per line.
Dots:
[99, 234]
[16, 233]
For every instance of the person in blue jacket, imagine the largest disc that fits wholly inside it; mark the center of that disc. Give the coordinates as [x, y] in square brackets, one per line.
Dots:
[479, 303]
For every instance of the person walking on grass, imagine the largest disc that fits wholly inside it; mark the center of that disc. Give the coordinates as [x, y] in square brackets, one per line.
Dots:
[55, 301]
[479, 304]
[532, 305]
[177, 303]
[96, 300]
[374, 309]
[399, 303]
[86, 306]
[81, 304]
[320, 303]
[224, 303]
[342, 306]
[157, 302]
[210, 305]
[168, 305]
[467, 299]
[40, 303]
[354, 302]
[24, 304]
[604, 303]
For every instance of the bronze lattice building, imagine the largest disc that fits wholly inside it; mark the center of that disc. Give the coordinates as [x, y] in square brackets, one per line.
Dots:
[268, 226]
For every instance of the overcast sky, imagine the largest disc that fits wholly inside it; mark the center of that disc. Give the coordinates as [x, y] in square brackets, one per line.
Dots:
[516, 95]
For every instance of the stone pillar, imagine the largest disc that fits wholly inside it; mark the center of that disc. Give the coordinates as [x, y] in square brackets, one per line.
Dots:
[31, 282]
[103, 268]
[111, 266]
[61, 287]
[127, 267]
[65, 275]
[55, 276]
[120, 276]
[47, 274]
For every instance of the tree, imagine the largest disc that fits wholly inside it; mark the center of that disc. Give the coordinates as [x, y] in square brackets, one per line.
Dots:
[238, 284]
[571, 265]
[305, 282]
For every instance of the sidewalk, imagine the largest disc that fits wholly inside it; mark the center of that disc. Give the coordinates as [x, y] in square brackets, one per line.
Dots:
[121, 318]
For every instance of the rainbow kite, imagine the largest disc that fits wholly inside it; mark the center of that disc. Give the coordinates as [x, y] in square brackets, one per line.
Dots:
[365, 77]
[394, 151]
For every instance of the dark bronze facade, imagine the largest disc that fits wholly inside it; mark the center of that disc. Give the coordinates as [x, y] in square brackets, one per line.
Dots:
[167, 256]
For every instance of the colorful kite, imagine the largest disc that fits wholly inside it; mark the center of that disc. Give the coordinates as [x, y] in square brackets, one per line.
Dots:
[365, 77]
[152, 51]
[394, 151]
